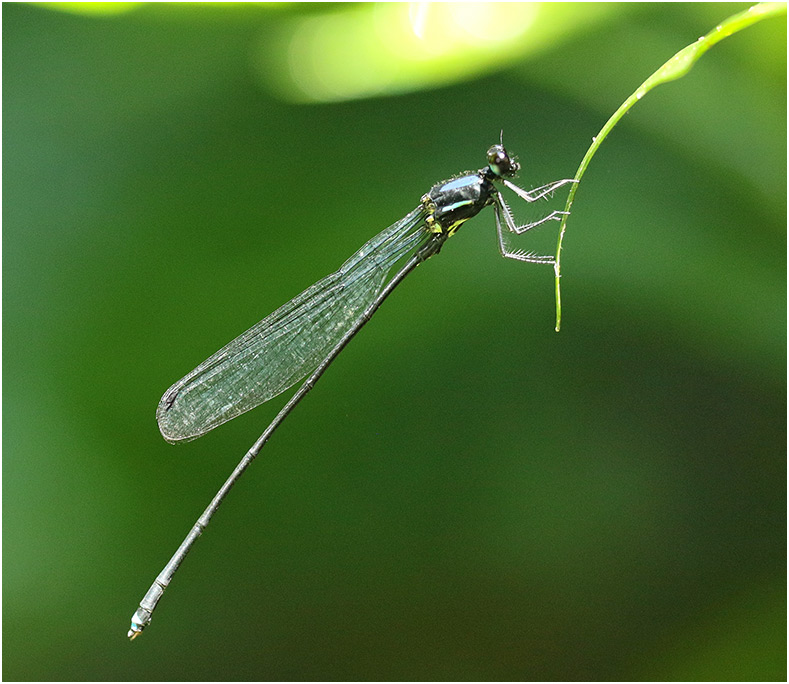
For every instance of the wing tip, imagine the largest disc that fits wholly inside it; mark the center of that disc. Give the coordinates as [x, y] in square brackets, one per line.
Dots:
[163, 417]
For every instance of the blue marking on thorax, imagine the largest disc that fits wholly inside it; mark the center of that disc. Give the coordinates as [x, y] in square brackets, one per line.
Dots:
[458, 183]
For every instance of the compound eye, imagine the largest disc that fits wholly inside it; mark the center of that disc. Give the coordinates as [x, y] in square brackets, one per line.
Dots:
[497, 156]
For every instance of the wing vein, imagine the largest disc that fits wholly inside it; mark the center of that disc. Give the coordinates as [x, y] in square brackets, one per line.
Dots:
[285, 346]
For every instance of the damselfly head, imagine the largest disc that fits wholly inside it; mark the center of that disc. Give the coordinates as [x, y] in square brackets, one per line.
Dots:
[501, 163]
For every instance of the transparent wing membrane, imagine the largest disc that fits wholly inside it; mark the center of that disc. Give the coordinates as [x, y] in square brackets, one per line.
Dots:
[285, 346]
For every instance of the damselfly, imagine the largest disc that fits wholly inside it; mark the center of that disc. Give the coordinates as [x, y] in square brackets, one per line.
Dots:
[306, 334]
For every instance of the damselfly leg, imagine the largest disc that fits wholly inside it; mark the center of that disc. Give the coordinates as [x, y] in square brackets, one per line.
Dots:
[504, 216]
[537, 193]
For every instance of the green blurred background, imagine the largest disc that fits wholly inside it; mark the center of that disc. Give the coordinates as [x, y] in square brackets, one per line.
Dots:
[467, 495]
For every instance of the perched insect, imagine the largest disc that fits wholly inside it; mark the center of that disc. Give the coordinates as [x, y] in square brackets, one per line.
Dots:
[306, 334]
